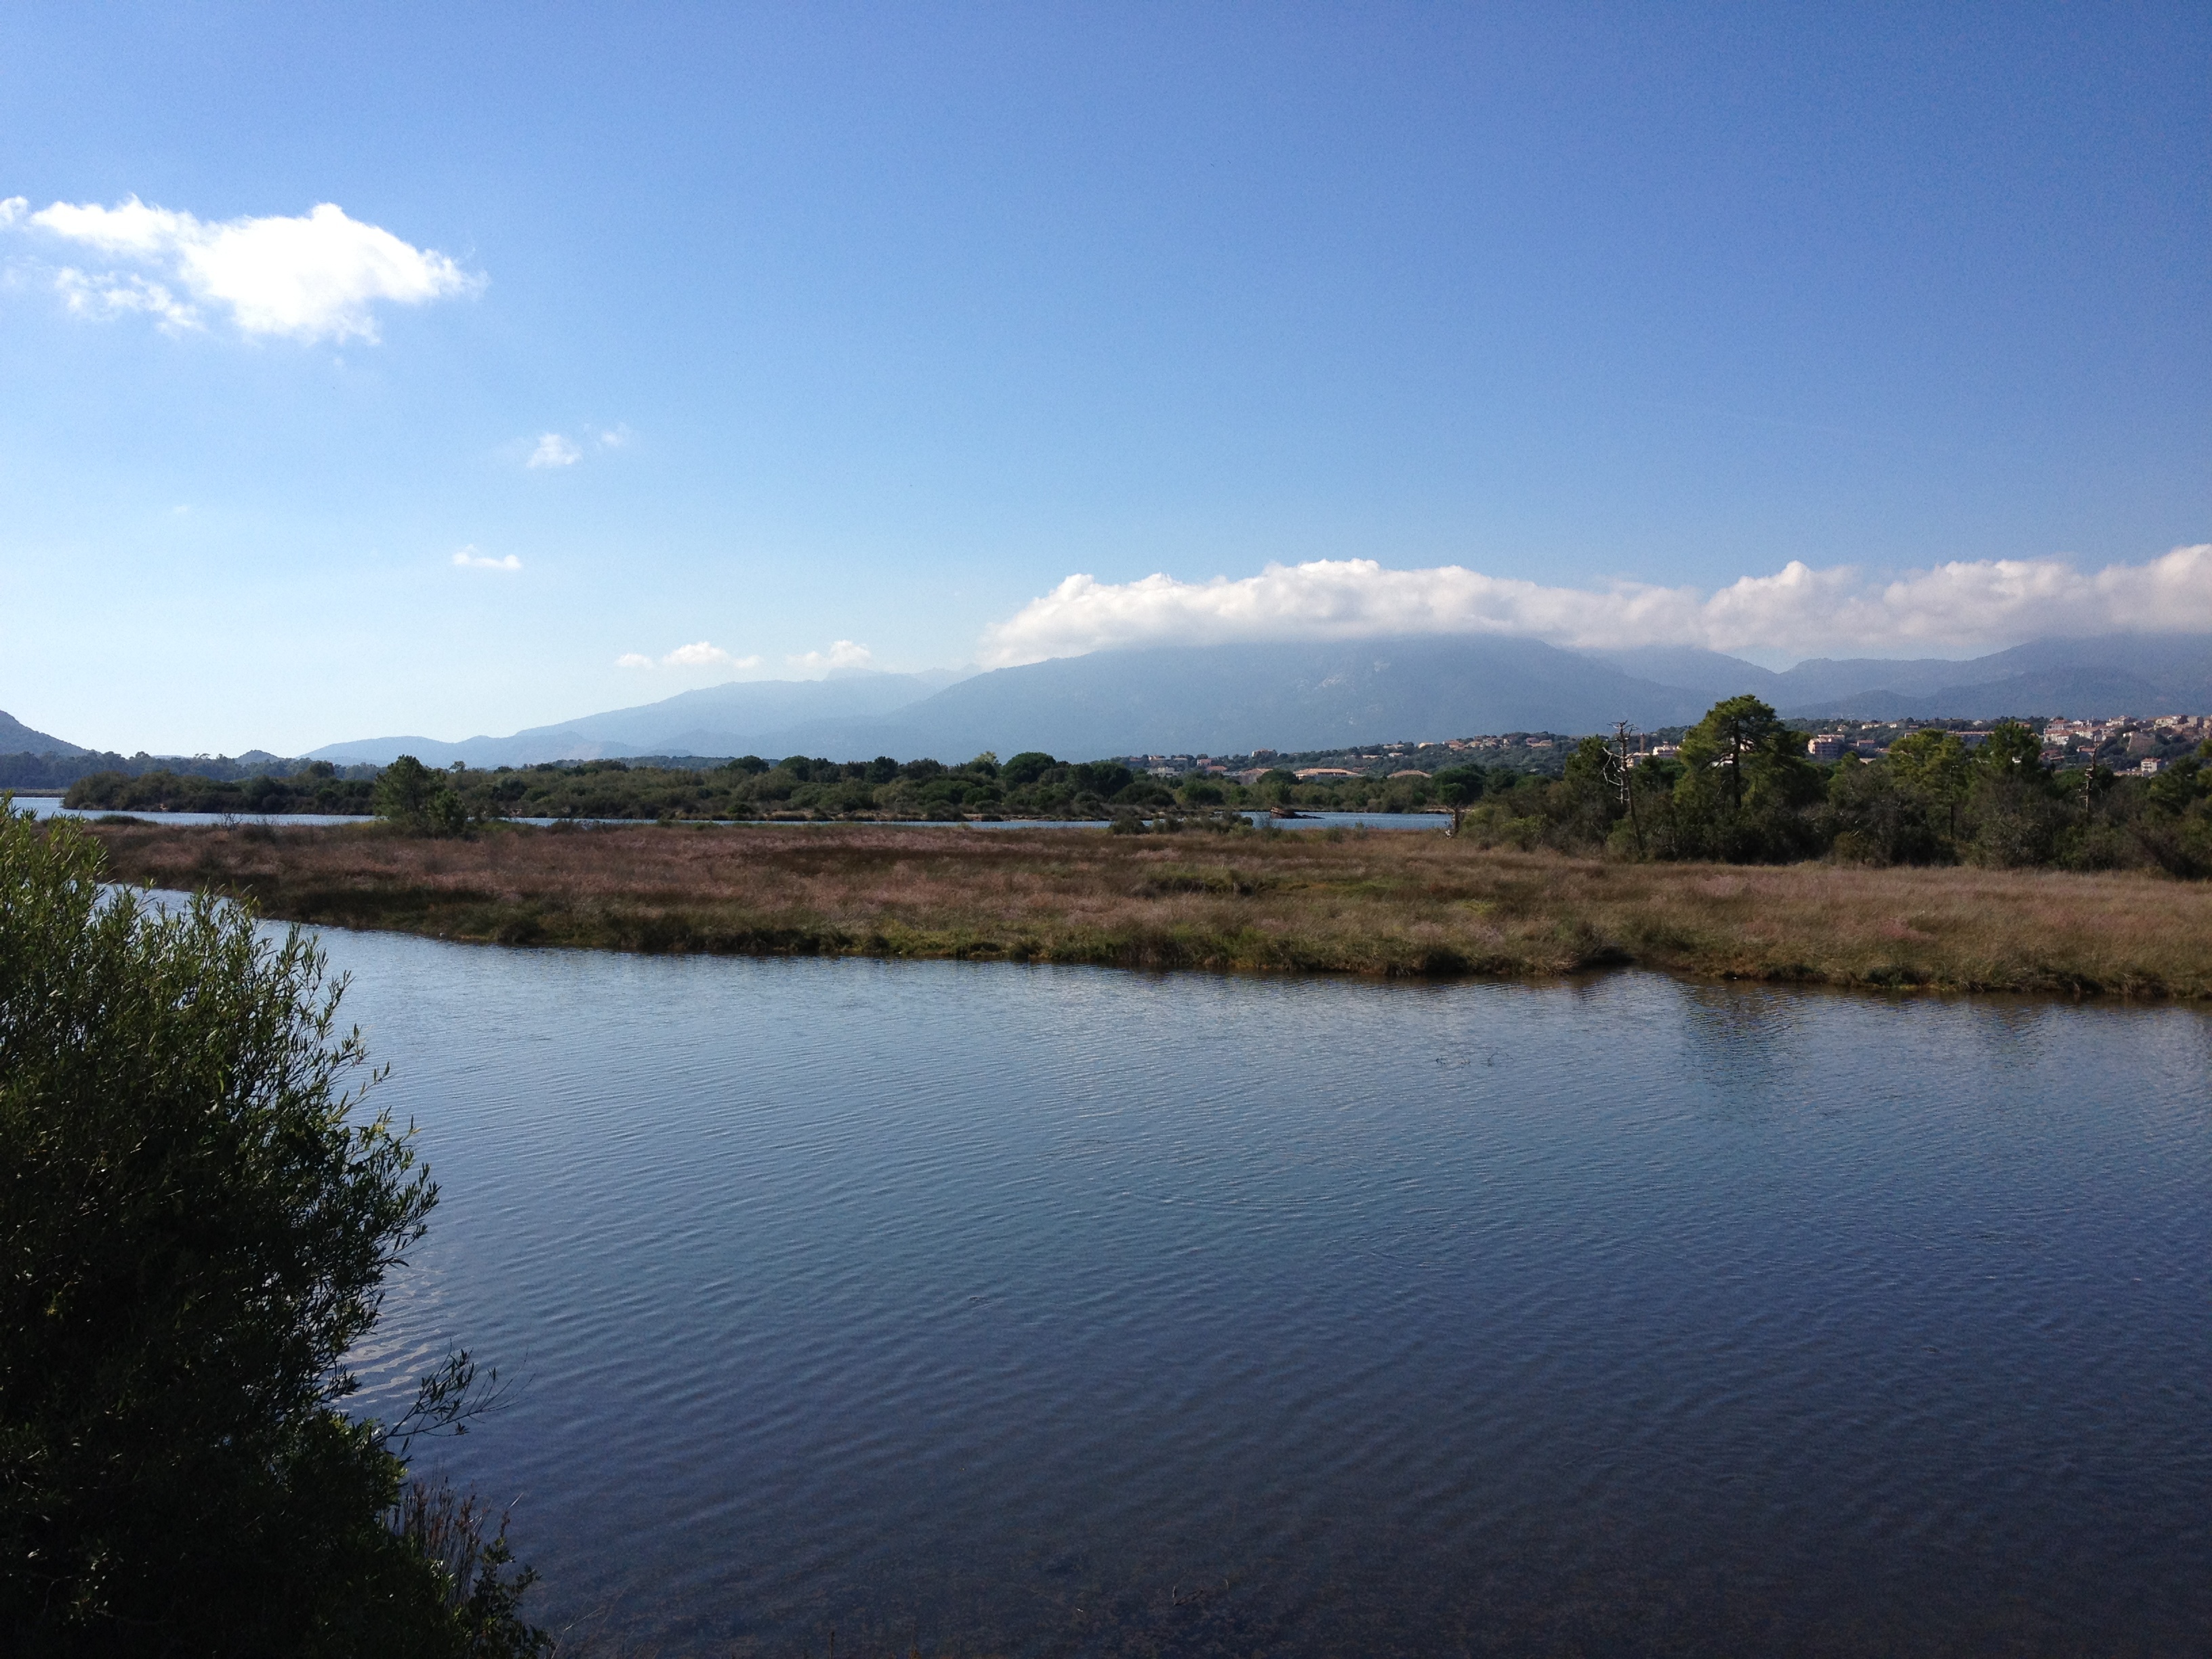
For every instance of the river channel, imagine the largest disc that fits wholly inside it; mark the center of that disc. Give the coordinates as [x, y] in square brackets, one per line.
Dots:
[985, 1310]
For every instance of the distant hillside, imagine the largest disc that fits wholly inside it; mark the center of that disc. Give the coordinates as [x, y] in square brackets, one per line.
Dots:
[17, 739]
[1708, 674]
[2114, 674]
[1231, 699]
[722, 719]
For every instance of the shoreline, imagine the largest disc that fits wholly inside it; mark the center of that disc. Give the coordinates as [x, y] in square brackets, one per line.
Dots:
[1383, 904]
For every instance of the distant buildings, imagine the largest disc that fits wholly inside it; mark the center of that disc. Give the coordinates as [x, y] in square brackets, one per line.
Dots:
[2141, 740]
[2187, 727]
[2121, 743]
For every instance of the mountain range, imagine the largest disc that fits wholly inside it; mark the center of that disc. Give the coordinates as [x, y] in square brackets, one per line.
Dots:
[17, 739]
[1231, 699]
[690, 723]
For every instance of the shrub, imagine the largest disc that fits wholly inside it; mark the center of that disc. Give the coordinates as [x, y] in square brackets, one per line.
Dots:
[196, 1220]
[420, 800]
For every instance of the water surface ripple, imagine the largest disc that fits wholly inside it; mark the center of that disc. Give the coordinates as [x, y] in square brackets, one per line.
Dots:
[1051, 1311]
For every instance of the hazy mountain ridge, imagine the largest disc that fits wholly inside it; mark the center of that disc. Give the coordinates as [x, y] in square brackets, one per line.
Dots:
[1231, 699]
[702, 722]
[2109, 674]
[17, 739]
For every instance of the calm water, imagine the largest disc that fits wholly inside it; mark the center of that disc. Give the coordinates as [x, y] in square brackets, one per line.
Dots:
[50, 807]
[1052, 1312]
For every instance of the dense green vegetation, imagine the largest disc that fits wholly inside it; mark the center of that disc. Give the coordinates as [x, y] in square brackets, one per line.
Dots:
[196, 1218]
[421, 801]
[1742, 790]
[1028, 786]
[318, 787]
[44, 772]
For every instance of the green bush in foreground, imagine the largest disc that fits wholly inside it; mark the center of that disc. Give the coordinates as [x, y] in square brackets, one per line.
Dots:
[195, 1223]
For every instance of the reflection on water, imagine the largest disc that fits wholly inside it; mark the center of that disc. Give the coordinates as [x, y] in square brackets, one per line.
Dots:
[1741, 1040]
[1051, 1311]
[49, 806]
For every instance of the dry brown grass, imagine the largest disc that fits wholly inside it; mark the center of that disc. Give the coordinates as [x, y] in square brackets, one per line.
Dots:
[1381, 902]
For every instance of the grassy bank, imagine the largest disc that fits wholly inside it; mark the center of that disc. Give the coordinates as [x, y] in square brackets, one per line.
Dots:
[1378, 903]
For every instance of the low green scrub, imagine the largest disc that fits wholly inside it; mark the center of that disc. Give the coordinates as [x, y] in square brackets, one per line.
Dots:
[315, 789]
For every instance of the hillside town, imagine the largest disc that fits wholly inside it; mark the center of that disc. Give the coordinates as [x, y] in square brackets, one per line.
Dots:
[2138, 745]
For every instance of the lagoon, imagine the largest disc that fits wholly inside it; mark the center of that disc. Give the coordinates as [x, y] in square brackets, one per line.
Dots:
[50, 807]
[1068, 1311]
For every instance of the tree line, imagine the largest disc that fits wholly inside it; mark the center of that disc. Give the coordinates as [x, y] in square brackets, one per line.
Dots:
[26, 770]
[1742, 788]
[317, 787]
[425, 797]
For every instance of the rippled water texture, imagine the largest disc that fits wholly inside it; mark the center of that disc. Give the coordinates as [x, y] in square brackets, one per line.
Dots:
[997, 1309]
[50, 807]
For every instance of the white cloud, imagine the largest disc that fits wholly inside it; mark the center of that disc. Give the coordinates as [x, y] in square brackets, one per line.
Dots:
[110, 293]
[843, 653]
[699, 654]
[306, 277]
[469, 558]
[1963, 606]
[554, 450]
[558, 449]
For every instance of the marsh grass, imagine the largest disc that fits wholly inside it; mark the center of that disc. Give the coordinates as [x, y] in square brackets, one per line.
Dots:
[1383, 903]
[455, 1531]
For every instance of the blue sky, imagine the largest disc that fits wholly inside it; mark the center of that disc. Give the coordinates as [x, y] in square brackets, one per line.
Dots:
[1793, 331]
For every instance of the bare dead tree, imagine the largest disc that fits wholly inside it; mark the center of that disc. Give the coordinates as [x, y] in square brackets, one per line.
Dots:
[1623, 771]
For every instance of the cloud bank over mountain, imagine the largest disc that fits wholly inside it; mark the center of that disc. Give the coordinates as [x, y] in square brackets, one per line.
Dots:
[1966, 606]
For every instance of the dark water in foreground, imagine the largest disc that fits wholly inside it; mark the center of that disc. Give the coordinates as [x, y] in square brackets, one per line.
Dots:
[1049, 1311]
